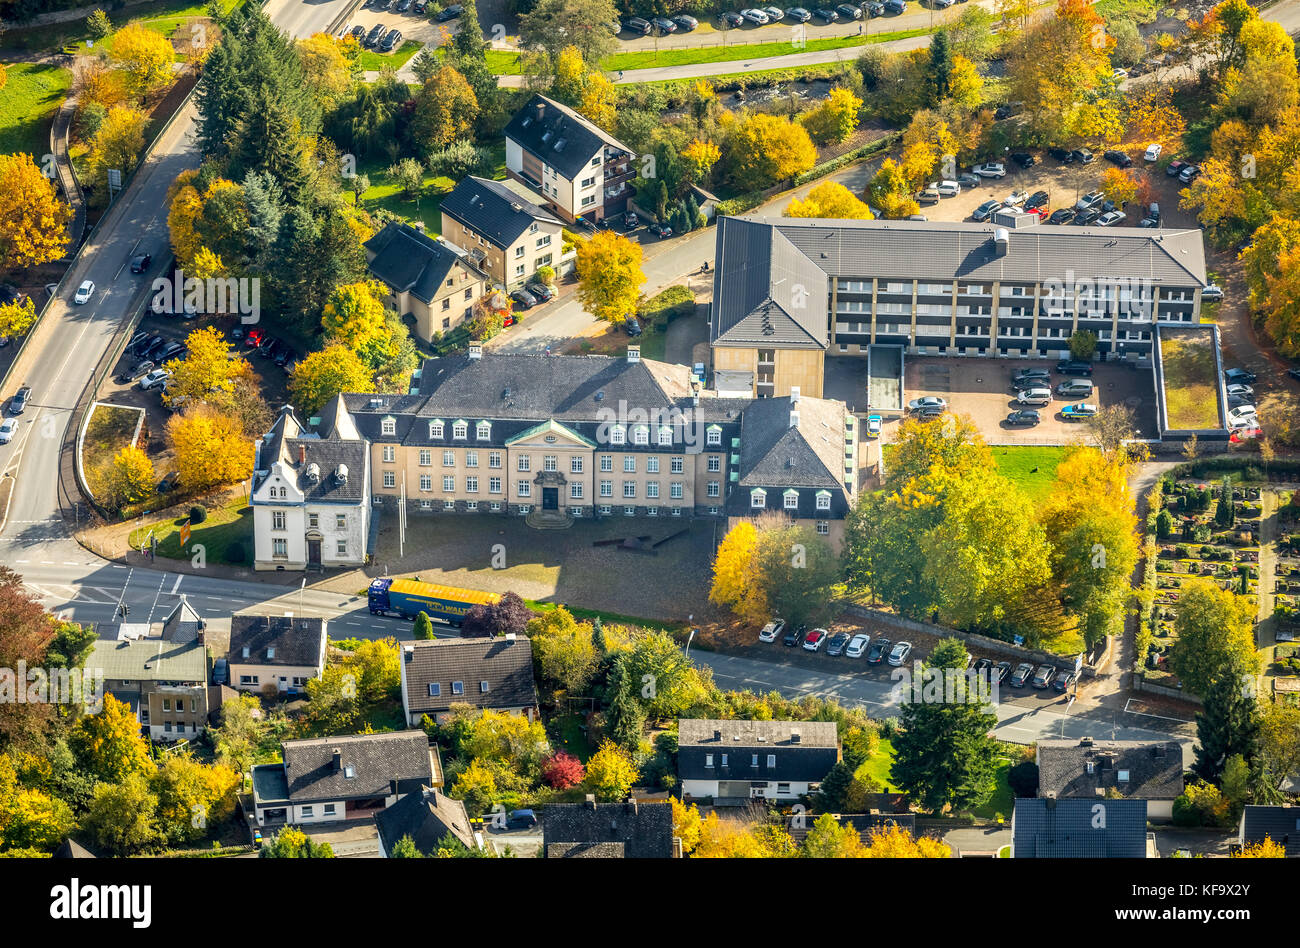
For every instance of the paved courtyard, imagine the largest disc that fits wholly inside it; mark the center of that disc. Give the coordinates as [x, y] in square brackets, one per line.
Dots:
[560, 565]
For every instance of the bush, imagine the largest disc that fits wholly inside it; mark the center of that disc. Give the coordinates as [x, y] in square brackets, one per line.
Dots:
[198, 513]
[235, 552]
[460, 159]
[1023, 778]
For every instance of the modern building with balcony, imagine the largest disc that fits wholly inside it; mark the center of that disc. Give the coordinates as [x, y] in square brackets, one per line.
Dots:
[581, 171]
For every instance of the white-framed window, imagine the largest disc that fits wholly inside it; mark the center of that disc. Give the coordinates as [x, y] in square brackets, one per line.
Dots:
[675, 465]
[607, 463]
[494, 506]
[713, 435]
[606, 488]
[449, 483]
[426, 503]
[618, 435]
[389, 426]
[460, 429]
[449, 505]
[771, 760]
[525, 509]
[494, 459]
[791, 499]
[629, 488]
[665, 436]
[483, 430]
[629, 511]
[757, 498]
[524, 462]
[714, 489]
[525, 489]
[575, 465]
[823, 527]
[390, 454]
[277, 519]
[606, 510]
[629, 464]
[575, 491]
[550, 462]
[652, 511]
[471, 458]
[652, 464]
[823, 500]
[341, 548]
[471, 505]
[449, 459]
[426, 457]
[390, 479]
[677, 511]
[640, 435]
[651, 490]
[713, 511]
[471, 485]
[435, 428]
[494, 485]
[426, 482]
[575, 511]
[715, 463]
[675, 490]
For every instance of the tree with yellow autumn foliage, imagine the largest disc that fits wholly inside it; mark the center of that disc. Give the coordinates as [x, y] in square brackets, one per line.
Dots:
[17, 317]
[700, 157]
[145, 57]
[829, 199]
[322, 375]
[609, 275]
[894, 842]
[735, 574]
[207, 372]
[763, 149]
[33, 220]
[130, 479]
[117, 145]
[210, 446]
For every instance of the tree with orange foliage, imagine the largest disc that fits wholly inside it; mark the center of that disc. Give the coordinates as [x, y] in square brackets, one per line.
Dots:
[33, 221]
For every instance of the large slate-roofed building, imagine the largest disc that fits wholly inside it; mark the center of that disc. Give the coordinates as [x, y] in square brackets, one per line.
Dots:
[628, 830]
[1079, 829]
[505, 230]
[1281, 824]
[431, 281]
[428, 817]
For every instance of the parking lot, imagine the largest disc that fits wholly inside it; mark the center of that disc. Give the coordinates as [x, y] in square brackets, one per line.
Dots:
[412, 25]
[981, 388]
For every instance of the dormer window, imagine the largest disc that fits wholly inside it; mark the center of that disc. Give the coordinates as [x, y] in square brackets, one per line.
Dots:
[791, 498]
[270, 652]
[641, 435]
[618, 435]
[389, 426]
[435, 428]
[757, 498]
[714, 434]
[665, 436]
[823, 500]
[483, 431]
[460, 429]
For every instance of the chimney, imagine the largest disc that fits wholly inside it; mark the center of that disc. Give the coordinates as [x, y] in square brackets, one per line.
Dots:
[794, 419]
[541, 110]
[633, 353]
[590, 801]
[408, 652]
[631, 805]
[419, 225]
[717, 735]
[338, 759]
[302, 454]
[510, 638]
[794, 394]
[1085, 742]
[1001, 241]
[475, 351]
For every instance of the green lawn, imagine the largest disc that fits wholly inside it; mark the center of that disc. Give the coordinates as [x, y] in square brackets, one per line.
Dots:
[385, 193]
[1003, 800]
[109, 431]
[1190, 380]
[163, 16]
[506, 63]
[28, 102]
[223, 526]
[567, 734]
[397, 59]
[880, 764]
[1031, 468]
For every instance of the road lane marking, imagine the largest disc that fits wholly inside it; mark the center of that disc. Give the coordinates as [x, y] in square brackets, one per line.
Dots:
[177, 586]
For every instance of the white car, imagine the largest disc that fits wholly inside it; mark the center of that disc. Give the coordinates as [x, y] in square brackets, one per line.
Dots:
[1034, 396]
[771, 630]
[874, 424]
[1016, 198]
[927, 401]
[1241, 415]
[154, 379]
[949, 189]
[84, 292]
[1245, 391]
[1153, 152]
[1119, 75]
[857, 646]
[1110, 219]
[7, 429]
[991, 169]
[755, 16]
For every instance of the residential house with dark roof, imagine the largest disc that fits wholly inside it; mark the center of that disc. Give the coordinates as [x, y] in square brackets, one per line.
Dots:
[565, 437]
[311, 494]
[494, 673]
[163, 679]
[428, 817]
[788, 292]
[579, 169]
[505, 230]
[628, 830]
[432, 282]
[279, 652]
[348, 777]
[1093, 770]
[735, 761]
[1073, 828]
[1281, 824]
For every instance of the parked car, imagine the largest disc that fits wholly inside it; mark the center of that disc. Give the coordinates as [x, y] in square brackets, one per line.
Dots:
[878, 650]
[1001, 671]
[662, 231]
[541, 291]
[1235, 401]
[284, 355]
[1110, 219]
[827, 14]
[171, 351]
[1240, 376]
[1074, 367]
[1031, 373]
[1044, 675]
[685, 23]
[1212, 293]
[898, 654]
[1064, 215]
[421, 6]
[1081, 410]
[663, 25]
[632, 326]
[450, 13]
[1039, 396]
[391, 41]
[1241, 415]
[254, 338]
[631, 221]
[1016, 198]
[19, 402]
[403, 5]
[1024, 159]
[857, 646]
[774, 14]
[949, 188]
[220, 671]
[130, 374]
[1020, 677]
[927, 401]
[1037, 200]
[358, 33]
[991, 169]
[1118, 158]
[1063, 681]
[755, 16]
[986, 210]
[983, 666]
[928, 195]
[1091, 199]
[836, 644]
[1063, 155]
[968, 180]
[731, 20]
[84, 292]
[1082, 155]
[896, 6]
[873, 426]
[1189, 174]
[1175, 168]
[1023, 416]
[1086, 216]
[873, 8]
[637, 25]
[153, 380]
[849, 12]
[375, 35]
[523, 299]
[1153, 152]
[521, 819]
[770, 631]
[794, 635]
[815, 639]
[798, 14]
[1238, 388]
[138, 340]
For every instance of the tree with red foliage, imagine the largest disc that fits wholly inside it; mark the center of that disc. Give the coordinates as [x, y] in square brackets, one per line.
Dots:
[561, 771]
[509, 614]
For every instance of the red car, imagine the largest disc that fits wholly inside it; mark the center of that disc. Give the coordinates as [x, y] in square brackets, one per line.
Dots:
[813, 641]
[254, 338]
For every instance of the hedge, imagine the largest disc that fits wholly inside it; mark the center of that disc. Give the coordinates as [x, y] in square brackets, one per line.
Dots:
[1246, 470]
